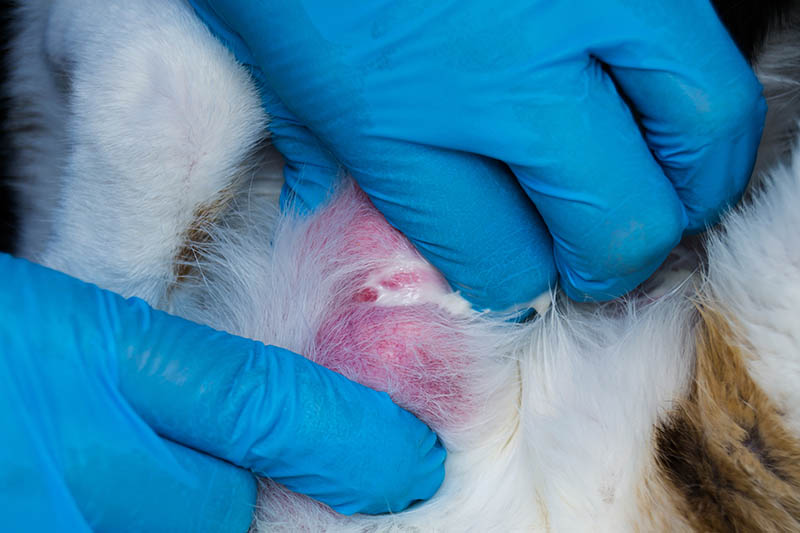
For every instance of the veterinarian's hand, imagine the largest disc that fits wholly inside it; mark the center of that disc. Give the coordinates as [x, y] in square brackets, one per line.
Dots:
[107, 407]
[401, 93]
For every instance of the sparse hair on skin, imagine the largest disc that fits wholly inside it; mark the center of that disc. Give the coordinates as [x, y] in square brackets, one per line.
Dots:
[144, 169]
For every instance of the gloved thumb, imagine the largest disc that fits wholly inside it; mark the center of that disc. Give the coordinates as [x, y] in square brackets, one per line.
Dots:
[310, 171]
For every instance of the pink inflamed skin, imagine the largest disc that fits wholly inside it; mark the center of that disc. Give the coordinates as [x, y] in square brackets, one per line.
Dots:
[348, 291]
[393, 323]
[390, 325]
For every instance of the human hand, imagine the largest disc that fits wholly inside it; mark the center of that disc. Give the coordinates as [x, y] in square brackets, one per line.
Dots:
[120, 417]
[404, 94]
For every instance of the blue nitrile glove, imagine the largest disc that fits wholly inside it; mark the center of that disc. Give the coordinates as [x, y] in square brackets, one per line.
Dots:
[106, 408]
[401, 91]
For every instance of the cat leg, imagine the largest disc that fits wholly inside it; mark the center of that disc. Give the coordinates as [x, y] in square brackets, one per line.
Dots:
[161, 125]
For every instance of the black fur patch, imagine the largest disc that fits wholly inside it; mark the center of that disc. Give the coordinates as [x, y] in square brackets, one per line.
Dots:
[685, 459]
[749, 21]
[7, 219]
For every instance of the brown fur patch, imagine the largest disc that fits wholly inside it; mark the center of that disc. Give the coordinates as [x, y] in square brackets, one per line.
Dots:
[725, 453]
[197, 234]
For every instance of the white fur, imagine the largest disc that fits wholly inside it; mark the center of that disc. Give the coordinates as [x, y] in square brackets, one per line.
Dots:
[155, 121]
[754, 271]
[158, 115]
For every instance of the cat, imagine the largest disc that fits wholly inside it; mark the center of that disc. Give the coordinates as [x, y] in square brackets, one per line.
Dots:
[144, 167]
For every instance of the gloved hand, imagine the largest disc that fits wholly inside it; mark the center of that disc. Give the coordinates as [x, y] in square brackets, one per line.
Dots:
[107, 407]
[404, 93]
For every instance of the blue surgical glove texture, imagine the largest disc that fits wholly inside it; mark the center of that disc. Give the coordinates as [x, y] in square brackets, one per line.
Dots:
[495, 135]
[117, 417]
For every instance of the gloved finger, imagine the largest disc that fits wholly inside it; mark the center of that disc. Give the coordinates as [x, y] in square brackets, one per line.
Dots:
[311, 173]
[613, 214]
[430, 478]
[110, 483]
[177, 489]
[213, 496]
[76, 446]
[467, 215]
[269, 410]
[259, 407]
[30, 480]
[209, 390]
[231, 396]
[179, 377]
[699, 103]
[384, 497]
